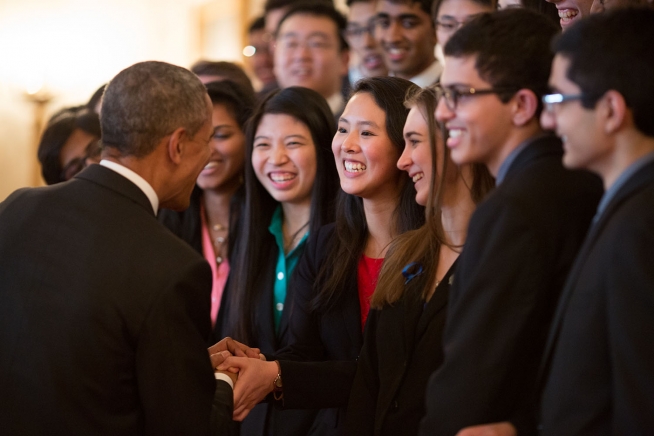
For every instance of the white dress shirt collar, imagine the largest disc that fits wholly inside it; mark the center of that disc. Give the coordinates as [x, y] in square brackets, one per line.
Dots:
[139, 181]
[336, 103]
[429, 76]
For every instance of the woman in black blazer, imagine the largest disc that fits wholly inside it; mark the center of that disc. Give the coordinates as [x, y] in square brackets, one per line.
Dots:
[316, 368]
[402, 343]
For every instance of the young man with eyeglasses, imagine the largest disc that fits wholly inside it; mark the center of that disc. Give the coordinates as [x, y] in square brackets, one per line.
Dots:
[311, 51]
[600, 360]
[521, 240]
[368, 58]
[405, 32]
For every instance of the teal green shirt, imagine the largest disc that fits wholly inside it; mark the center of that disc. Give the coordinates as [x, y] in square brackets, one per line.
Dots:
[285, 264]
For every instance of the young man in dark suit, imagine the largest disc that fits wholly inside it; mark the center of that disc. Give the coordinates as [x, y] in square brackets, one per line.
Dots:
[521, 240]
[103, 312]
[599, 363]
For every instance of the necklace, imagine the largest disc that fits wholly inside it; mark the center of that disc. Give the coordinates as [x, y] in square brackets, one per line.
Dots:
[291, 243]
[219, 241]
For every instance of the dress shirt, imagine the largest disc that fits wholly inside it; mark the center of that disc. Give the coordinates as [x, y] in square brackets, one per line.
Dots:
[139, 181]
[429, 76]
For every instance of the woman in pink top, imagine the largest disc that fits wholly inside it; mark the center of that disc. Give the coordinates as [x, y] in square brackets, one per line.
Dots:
[216, 201]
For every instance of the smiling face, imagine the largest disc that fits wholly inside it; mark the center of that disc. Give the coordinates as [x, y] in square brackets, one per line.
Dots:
[406, 36]
[451, 15]
[307, 53]
[359, 20]
[225, 167]
[583, 142]
[480, 125]
[284, 158]
[416, 158]
[365, 156]
[571, 11]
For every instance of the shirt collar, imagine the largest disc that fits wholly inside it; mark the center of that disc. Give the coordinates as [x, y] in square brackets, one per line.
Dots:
[506, 165]
[620, 182]
[336, 103]
[139, 181]
[275, 228]
[428, 76]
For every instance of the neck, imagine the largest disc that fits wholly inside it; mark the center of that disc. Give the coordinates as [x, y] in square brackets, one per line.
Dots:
[381, 225]
[514, 139]
[425, 65]
[626, 151]
[216, 205]
[457, 208]
[295, 216]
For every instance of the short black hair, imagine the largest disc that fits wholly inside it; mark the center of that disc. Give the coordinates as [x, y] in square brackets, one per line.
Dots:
[492, 4]
[320, 9]
[611, 51]
[258, 23]
[59, 128]
[271, 5]
[228, 70]
[512, 49]
[425, 5]
[238, 101]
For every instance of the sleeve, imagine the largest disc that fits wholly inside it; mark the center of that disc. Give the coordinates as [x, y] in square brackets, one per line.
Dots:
[630, 299]
[173, 370]
[311, 379]
[222, 409]
[496, 327]
[362, 404]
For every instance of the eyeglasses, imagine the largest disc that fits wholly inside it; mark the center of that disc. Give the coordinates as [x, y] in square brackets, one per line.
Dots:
[79, 163]
[551, 100]
[449, 25]
[452, 94]
[356, 33]
[313, 44]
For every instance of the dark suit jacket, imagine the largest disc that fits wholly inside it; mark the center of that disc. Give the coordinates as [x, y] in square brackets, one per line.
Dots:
[319, 362]
[521, 243]
[265, 418]
[600, 354]
[401, 349]
[103, 315]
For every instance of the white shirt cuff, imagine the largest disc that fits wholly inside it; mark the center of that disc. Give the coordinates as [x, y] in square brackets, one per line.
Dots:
[225, 378]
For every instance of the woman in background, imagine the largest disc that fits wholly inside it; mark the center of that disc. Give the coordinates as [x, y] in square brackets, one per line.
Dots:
[291, 184]
[339, 270]
[209, 224]
[402, 345]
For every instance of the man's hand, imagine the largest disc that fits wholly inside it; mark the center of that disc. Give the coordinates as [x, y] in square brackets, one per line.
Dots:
[234, 348]
[255, 381]
[497, 429]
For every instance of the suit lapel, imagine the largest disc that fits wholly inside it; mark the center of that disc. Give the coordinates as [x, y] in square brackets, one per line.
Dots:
[351, 312]
[112, 180]
[437, 303]
[642, 178]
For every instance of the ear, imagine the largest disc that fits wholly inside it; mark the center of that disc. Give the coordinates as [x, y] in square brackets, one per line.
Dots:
[345, 62]
[614, 110]
[175, 145]
[525, 105]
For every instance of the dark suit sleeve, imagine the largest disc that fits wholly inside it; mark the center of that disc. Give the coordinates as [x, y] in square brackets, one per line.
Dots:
[173, 370]
[222, 410]
[495, 330]
[362, 404]
[630, 305]
[311, 380]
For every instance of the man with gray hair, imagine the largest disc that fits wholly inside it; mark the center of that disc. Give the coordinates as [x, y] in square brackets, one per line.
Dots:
[103, 312]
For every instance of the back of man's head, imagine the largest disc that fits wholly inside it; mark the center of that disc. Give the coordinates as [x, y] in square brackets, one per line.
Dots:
[512, 49]
[612, 51]
[148, 101]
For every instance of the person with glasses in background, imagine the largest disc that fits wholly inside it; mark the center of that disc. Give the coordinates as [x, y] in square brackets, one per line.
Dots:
[450, 15]
[522, 239]
[259, 56]
[368, 60]
[311, 51]
[70, 142]
[406, 35]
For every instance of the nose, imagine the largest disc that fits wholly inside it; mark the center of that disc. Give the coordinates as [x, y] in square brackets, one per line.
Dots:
[443, 113]
[547, 120]
[404, 162]
[278, 155]
[369, 40]
[392, 33]
[350, 144]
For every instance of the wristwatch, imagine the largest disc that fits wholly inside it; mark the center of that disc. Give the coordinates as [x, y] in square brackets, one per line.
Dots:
[278, 392]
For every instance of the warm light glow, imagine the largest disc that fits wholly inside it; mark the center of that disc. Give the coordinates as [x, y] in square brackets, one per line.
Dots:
[249, 51]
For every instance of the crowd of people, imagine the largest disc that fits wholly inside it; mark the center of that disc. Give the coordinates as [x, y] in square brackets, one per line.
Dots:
[380, 240]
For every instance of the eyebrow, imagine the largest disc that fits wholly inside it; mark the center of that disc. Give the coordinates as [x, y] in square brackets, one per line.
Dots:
[361, 123]
[310, 35]
[398, 17]
[408, 134]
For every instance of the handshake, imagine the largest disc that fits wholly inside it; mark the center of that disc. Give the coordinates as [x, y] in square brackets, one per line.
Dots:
[254, 377]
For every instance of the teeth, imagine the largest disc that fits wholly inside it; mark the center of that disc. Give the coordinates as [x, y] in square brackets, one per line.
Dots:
[394, 50]
[211, 165]
[281, 177]
[354, 167]
[418, 177]
[455, 133]
[568, 13]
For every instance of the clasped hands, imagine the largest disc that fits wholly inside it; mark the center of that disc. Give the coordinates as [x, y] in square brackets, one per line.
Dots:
[252, 375]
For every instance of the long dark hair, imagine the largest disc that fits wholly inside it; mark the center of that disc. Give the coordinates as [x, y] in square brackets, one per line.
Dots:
[351, 227]
[423, 245]
[250, 258]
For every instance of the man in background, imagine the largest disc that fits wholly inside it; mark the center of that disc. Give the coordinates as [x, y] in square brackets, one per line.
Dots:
[367, 59]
